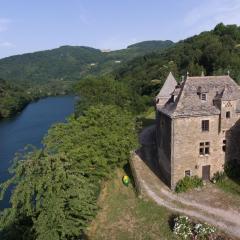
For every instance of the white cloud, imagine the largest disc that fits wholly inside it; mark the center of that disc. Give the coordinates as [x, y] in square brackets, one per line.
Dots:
[4, 22]
[6, 44]
[208, 13]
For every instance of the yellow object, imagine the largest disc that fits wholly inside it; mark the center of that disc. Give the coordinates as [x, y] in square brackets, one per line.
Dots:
[125, 180]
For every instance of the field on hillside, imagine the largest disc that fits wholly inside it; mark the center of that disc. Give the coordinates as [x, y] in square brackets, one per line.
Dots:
[124, 216]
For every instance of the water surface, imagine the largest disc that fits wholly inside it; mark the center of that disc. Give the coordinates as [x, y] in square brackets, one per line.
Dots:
[29, 127]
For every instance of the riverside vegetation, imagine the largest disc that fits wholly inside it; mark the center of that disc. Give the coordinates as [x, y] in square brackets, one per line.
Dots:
[56, 188]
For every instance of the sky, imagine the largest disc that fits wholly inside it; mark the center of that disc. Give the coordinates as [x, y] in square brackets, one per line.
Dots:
[31, 25]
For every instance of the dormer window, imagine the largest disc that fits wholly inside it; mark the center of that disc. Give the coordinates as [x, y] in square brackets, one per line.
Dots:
[204, 97]
[202, 93]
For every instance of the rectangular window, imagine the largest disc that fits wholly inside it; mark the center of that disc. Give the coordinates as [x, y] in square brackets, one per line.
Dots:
[205, 125]
[204, 148]
[187, 173]
[224, 145]
[204, 96]
[228, 114]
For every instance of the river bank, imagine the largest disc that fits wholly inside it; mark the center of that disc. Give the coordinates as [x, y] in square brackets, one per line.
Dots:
[29, 127]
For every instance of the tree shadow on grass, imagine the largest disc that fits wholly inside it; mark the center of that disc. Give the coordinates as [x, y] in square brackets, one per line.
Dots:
[127, 169]
[171, 221]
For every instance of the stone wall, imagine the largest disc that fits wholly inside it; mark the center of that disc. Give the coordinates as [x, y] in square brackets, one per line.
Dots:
[163, 136]
[178, 143]
[186, 143]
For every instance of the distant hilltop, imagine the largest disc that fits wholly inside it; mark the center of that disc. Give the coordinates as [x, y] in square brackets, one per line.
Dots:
[105, 50]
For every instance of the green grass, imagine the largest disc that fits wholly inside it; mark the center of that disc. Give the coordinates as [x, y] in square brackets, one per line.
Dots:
[230, 186]
[124, 216]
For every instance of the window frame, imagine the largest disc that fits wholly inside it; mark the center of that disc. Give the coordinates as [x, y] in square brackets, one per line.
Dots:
[204, 149]
[205, 125]
[228, 114]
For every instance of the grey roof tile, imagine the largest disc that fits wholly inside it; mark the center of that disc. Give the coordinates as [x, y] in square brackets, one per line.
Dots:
[189, 103]
[168, 87]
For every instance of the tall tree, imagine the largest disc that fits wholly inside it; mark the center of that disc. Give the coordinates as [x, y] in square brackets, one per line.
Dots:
[56, 188]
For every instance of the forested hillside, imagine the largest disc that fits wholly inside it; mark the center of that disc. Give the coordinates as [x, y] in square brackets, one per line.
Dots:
[52, 72]
[12, 99]
[214, 52]
[69, 63]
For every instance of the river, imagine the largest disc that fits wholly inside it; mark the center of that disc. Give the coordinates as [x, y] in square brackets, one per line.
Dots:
[29, 127]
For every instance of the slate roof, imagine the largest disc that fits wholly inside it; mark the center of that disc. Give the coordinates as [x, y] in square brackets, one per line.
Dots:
[189, 103]
[168, 87]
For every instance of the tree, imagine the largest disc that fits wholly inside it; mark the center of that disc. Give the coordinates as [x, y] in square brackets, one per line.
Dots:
[106, 90]
[56, 188]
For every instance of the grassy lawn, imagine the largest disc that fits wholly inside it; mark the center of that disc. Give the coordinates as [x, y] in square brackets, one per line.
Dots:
[230, 186]
[124, 216]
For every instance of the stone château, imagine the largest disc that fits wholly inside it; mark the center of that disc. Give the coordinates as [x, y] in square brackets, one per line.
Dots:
[195, 119]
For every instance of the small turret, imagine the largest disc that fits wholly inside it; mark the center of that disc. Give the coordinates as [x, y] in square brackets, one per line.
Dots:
[166, 91]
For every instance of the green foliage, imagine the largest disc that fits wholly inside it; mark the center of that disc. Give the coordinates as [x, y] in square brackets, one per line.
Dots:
[218, 177]
[106, 90]
[146, 75]
[69, 63]
[98, 141]
[188, 183]
[54, 198]
[56, 188]
[214, 52]
[12, 99]
[230, 186]
[185, 228]
[203, 231]
[182, 227]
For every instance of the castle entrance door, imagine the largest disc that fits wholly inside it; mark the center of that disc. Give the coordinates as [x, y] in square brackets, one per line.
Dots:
[206, 172]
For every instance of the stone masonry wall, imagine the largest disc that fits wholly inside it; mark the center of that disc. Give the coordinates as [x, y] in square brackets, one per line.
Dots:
[186, 142]
[163, 136]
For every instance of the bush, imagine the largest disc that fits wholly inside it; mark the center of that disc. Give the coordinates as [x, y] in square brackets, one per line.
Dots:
[218, 177]
[187, 229]
[203, 231]
[182, 227]
[188, 183]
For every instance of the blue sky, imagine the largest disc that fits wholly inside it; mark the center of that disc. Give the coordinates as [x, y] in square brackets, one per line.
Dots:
[31, 25]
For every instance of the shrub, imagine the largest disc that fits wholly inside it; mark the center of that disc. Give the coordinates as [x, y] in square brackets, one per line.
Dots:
[218, 177]
[188, 183]
[182, 227]
[203, 231]
[185, 228]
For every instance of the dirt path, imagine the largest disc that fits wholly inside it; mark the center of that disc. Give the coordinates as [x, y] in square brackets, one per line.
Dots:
[208, 205]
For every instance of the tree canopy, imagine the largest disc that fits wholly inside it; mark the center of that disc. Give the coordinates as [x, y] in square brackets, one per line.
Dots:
[56, 188]
[214, 52]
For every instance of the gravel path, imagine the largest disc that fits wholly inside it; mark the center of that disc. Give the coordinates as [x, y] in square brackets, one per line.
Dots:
[226, 218]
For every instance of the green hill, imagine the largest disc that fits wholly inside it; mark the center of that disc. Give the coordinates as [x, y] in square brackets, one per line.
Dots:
[69, 63]
[214, 52]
